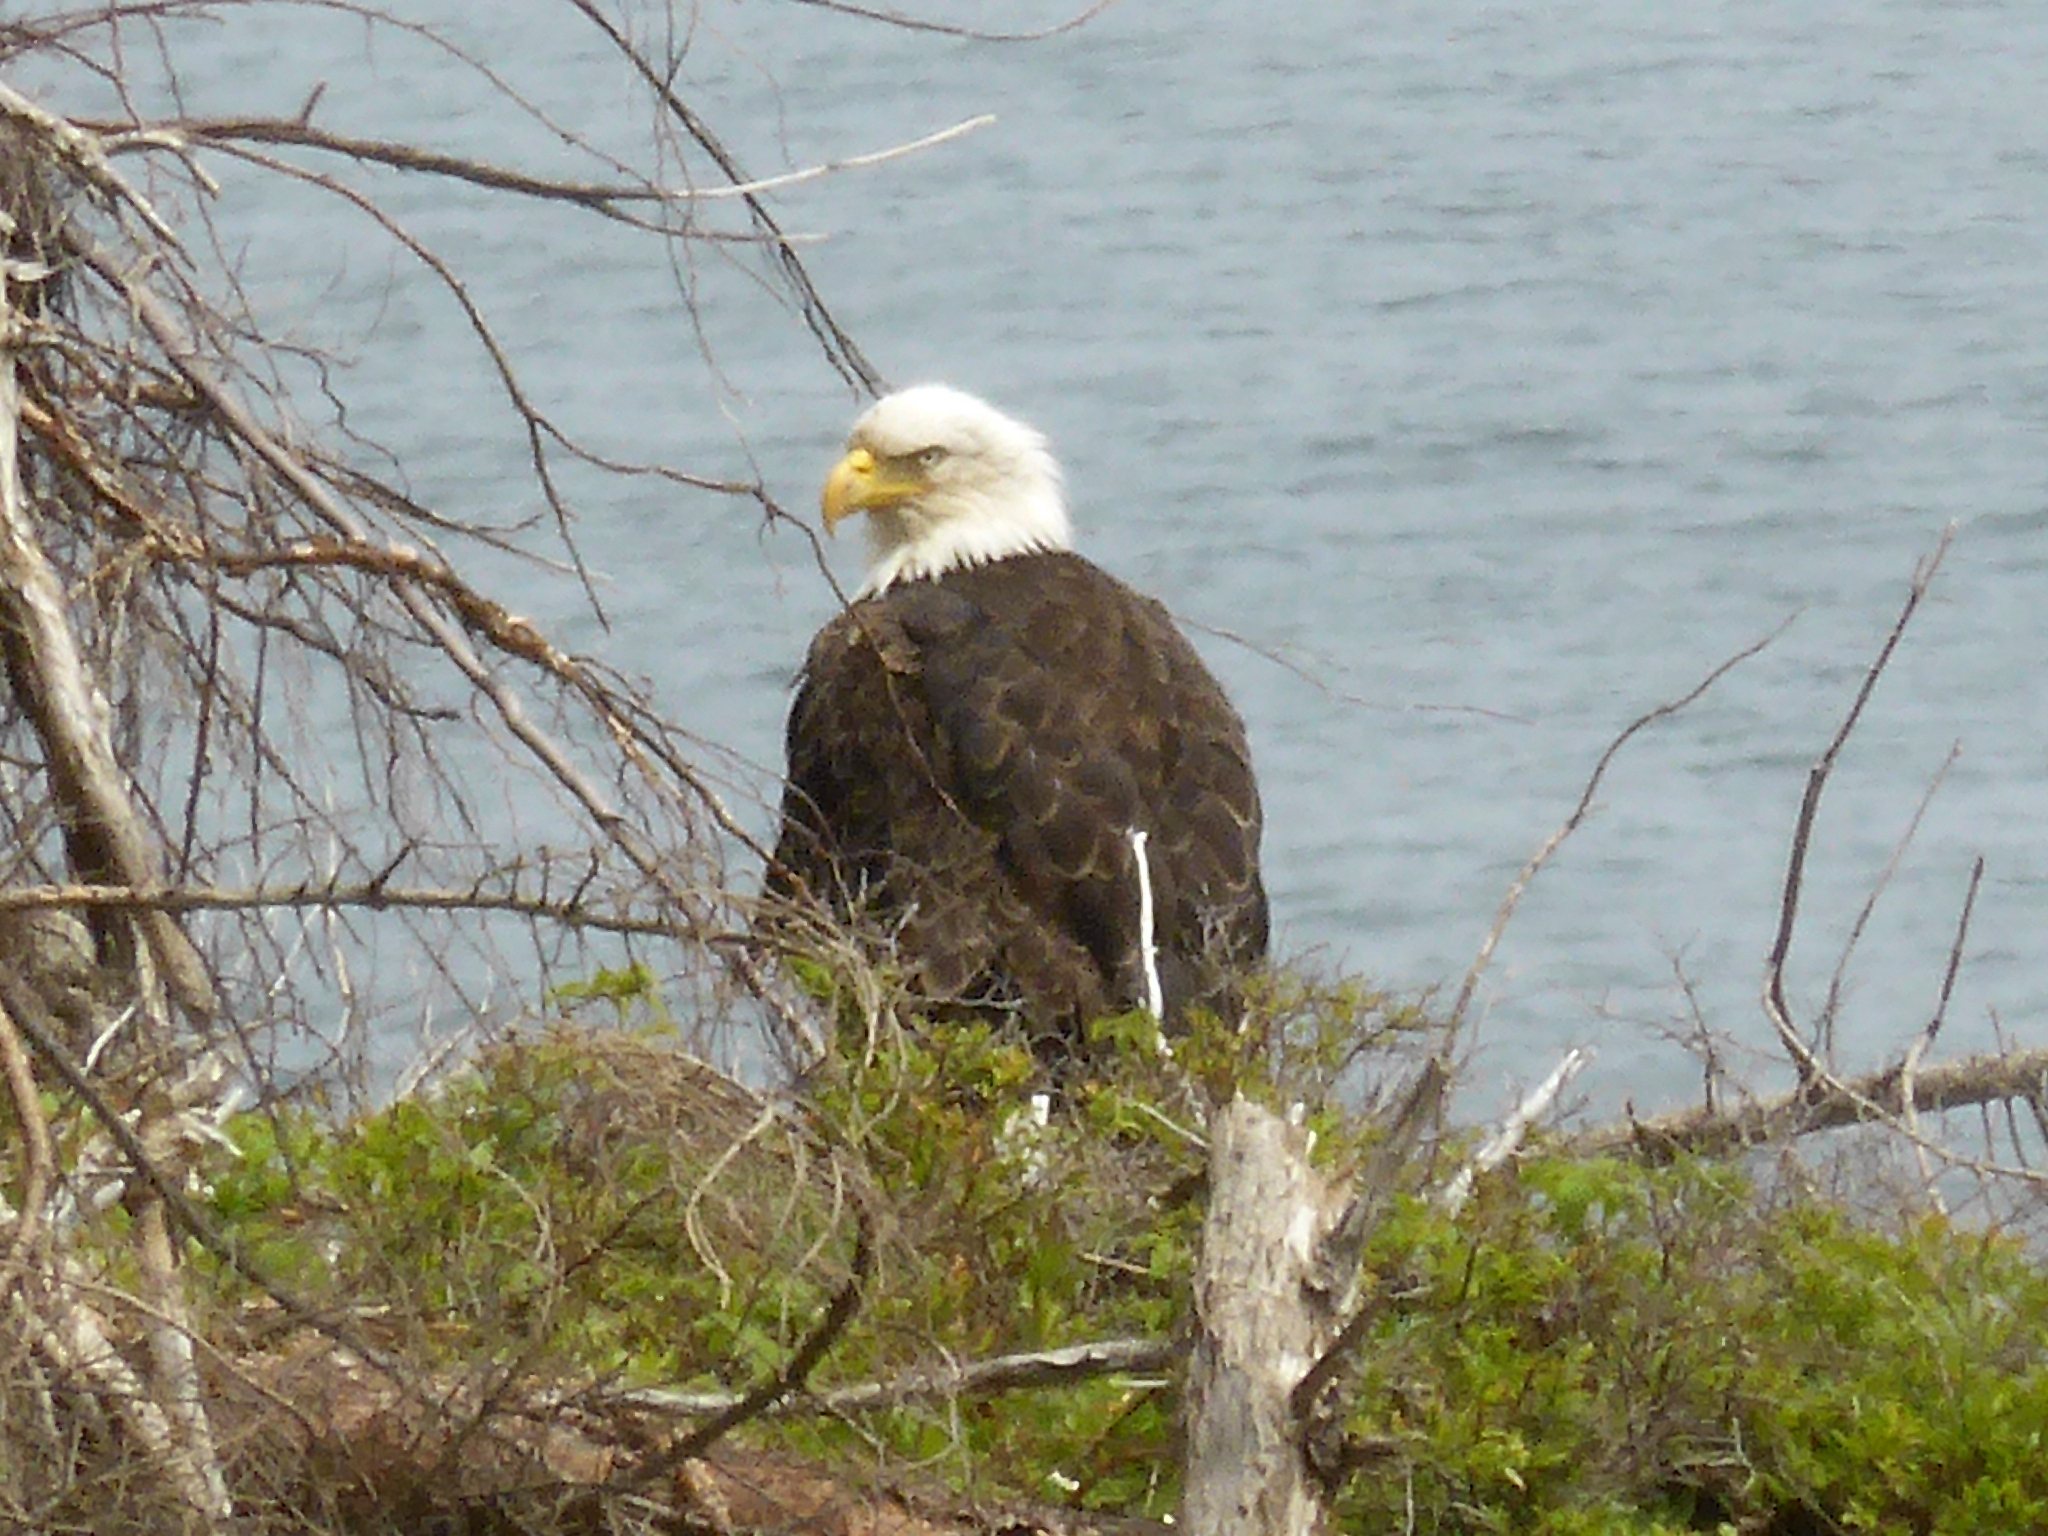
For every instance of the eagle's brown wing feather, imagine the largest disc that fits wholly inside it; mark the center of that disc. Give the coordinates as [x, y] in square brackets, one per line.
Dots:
[967, 757]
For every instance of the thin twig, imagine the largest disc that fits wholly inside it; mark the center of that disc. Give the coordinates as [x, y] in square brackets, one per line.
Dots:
[790, 1379]
[1825, 1027]
[39, 1159]
[1330, 690]
[1955, 954]
[840, 349]
[1579, 813]
[948, 29]
[1775, 1006]
[1924, 1041]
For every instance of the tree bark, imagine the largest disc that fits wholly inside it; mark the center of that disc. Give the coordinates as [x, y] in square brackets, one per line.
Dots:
[1821, 1106]
[1265, 1312]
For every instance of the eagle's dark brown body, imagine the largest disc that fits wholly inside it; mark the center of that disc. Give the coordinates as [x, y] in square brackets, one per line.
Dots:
[967, 758]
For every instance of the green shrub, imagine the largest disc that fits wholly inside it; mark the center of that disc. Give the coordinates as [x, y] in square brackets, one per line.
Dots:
[1590, 1346]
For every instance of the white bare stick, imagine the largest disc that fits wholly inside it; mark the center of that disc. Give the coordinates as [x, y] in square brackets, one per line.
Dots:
[831, 167]
[1148, 950]
[973, 1379]
[1502, 1144]
[175, 1372]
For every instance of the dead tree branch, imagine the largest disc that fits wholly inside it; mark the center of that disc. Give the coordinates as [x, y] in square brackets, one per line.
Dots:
[1505, 1142]
[804, 1360]
[572, 909]
[963, 1382]
[50, 679]
[39, 1155]
[1830, 1010]
[1513, 899]
[1775, 1006]
[839, 346]
[599, 197]
[1873, 1097]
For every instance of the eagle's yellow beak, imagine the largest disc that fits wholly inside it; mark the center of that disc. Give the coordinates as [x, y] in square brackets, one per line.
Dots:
[862, 483]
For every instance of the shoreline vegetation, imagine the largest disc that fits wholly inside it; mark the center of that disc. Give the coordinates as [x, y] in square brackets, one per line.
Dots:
[577, 1272]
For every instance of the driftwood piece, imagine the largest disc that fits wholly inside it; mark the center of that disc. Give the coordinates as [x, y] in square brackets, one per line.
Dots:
[1265, 1312]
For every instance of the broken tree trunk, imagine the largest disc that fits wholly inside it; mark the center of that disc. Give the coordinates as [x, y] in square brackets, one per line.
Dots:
[1268, 1300]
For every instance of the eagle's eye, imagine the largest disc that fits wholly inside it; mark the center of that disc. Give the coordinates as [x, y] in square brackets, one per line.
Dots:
[929, 458]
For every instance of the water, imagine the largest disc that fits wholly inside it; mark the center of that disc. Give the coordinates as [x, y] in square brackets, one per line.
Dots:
[1471, 379]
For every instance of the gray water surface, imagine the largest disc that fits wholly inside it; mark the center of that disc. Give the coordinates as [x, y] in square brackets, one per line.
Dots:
[1471, 379]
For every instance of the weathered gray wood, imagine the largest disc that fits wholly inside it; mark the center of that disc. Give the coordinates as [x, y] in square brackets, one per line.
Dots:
[106, 840]
[104, 833]
[1264, 1313]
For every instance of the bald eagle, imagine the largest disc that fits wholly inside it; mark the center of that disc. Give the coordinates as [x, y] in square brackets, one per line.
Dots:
[975, 739]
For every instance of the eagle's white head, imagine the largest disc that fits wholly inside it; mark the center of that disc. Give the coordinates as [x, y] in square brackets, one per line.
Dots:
[946, 480]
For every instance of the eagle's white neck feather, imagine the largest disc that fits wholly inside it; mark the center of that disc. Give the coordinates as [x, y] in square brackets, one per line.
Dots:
[970, 528]
[994, 493]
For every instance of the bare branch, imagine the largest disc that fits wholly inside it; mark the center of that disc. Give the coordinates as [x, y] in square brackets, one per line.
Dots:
[797, 1370]
[1923, 1042]
[1830, 1010]
[39, 1157]
[1819, 1106]
[1955, 956]
[1802, 833]
[47, 670]
[1328, 690]
[572, 909]
[1503, 1144]
[946, 29]
[84, 151]
[181, 134]
[968, 1381]
[839, 347]
[1513, 899]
